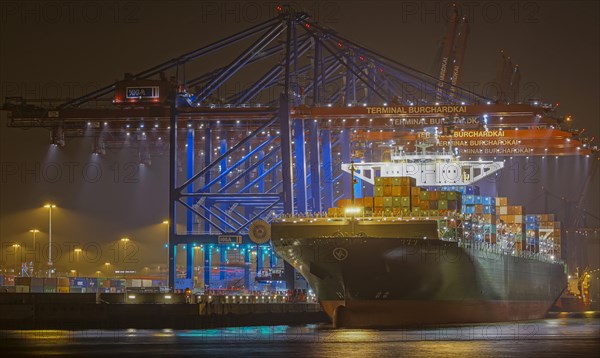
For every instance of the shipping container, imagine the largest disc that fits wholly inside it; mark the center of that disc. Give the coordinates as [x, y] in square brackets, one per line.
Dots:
[415, 201]
[368, 202]
[378, 190]
[453, 205]
[405, 201]
[443, 204]
[387, 201]
[387, 190]
[468, 199]
[21, 288]
[405, 190]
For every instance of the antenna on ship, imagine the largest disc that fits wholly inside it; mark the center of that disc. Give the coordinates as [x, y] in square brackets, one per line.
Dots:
[423, 147]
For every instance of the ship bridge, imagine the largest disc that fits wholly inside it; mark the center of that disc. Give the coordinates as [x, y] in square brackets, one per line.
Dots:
[427, 168]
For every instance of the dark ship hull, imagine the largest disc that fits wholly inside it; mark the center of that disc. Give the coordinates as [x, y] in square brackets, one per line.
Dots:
[398, 273]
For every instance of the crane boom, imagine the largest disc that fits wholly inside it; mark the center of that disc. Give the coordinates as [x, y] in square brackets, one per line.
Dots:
[448, 46]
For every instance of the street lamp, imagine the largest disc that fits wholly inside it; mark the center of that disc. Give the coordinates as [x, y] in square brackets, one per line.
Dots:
[107, 265]
[125, 240]
[34, 231]
[50, 207]
[16, 246]
[77, 252]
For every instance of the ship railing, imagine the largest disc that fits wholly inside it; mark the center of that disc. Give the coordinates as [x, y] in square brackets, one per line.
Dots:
[495, 248]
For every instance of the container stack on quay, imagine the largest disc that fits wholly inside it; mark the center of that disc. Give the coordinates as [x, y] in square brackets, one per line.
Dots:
[41, 284]
[78, 284]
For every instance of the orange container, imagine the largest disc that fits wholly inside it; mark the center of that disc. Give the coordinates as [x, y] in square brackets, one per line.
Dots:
[378, 203]
[387, 189]
[396, 191]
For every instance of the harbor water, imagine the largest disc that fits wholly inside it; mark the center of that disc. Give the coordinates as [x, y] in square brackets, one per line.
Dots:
[553, 337]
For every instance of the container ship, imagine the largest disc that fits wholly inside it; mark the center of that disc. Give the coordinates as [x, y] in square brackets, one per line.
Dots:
[426, 249]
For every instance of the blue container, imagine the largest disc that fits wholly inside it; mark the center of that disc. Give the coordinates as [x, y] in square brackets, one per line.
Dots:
[478, 199]
[468, 200]
[487, 209]
[486, 200]
[78, 282]
[531, 219]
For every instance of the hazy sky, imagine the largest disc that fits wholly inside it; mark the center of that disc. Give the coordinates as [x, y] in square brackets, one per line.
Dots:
[62, 49]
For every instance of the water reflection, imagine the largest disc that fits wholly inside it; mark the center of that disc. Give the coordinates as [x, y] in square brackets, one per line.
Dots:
[551, 337]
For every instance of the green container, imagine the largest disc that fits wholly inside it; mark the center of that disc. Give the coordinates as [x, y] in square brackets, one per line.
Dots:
[387, 201]
[396, 181]
[443, 195]
[397, 202]
[378, 180]
[443, 204]
[378, 190]
[405, 201]
[452, 195]
[368, 211]
[416, 211]
[388, 212]
[423, 195]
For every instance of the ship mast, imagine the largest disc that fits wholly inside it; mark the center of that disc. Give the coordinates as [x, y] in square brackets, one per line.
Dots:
[354, 181]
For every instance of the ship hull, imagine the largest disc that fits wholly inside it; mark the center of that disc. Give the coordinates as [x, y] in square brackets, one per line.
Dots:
[378, 280]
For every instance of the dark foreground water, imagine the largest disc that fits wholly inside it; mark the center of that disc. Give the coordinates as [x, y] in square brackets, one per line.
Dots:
[560, 337]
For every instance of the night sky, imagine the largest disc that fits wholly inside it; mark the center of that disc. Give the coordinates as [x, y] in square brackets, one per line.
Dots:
[63, 49]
